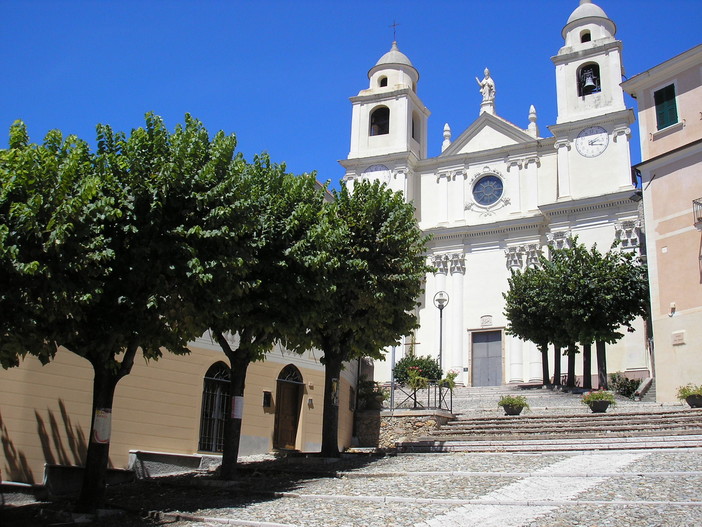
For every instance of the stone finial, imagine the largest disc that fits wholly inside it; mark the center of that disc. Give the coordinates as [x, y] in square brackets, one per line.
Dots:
[447, 137]
[533, 128]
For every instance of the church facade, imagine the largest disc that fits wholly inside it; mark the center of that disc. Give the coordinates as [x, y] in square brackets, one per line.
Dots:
[498, 195]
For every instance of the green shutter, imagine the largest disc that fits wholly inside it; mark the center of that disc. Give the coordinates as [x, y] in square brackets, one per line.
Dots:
[666, 109]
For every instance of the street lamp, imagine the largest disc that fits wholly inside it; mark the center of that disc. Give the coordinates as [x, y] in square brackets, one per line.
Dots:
[441, 300]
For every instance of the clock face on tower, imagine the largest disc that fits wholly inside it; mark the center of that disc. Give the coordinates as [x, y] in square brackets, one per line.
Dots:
[592, 141]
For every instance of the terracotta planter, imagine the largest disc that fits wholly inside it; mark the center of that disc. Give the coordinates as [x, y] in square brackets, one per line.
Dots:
[512, 410]
[599, 407]
[695, 401]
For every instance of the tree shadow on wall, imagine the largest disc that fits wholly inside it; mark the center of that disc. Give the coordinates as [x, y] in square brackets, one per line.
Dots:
[73, 451]
[17, 467]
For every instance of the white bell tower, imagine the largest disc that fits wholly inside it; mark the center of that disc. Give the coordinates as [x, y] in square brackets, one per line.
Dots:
[588, 66]
[592, 129]
[389, 117]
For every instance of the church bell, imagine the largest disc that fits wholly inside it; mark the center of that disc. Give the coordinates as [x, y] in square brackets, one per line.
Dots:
[589, 85]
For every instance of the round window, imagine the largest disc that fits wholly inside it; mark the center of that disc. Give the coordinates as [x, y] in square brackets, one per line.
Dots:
[487, 190]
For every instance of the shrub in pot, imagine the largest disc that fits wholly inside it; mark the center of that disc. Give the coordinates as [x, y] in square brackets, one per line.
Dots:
[513, 404]
[691, 394]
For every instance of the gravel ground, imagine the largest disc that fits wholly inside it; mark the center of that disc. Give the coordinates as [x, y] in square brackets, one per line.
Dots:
[645, 489]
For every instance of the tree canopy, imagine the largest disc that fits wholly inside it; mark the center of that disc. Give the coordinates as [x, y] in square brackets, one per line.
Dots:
[279, 291]
[578, 295]
[375, 264]
[101, 253]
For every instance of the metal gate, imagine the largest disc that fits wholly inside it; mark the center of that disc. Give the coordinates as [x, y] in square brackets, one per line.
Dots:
[216, 405]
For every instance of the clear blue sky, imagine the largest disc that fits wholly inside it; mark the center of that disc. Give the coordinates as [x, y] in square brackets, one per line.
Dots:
[279, 73]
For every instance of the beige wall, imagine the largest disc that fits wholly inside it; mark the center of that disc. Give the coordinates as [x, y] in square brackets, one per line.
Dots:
[671, 179]
[674, 248]
[687, 90]
[45, 410]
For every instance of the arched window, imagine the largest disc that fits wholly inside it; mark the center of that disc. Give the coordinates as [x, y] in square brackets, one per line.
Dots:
[585, 36]
[380, 121]
[383, 82]
[216, 404]
[588, 79]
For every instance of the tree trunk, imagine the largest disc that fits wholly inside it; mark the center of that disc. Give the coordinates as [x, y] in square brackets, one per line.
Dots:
[330, 419]
[587, 366]
[239, 362]
[557, 365]
[570, 381]
[543, 348]
[601, 365]
[92, 493]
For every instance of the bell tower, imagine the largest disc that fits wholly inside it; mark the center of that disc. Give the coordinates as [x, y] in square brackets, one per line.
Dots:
[588, 66]
[389, 117]
[592, 128]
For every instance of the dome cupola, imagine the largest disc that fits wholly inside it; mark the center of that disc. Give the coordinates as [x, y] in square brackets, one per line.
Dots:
[394, 70]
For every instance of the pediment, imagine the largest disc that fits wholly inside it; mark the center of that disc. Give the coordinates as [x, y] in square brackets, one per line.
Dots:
[487, 132]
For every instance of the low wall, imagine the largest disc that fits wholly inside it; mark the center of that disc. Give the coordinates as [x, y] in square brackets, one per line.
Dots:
[382, 429]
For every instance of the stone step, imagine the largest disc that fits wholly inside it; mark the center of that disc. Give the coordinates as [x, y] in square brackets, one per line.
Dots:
[570, 428]
[551, 444]
[653, 417]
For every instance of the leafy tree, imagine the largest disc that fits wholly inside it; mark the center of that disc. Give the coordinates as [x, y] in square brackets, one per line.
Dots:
[578, 295]
[374, 268]
[529, 313]
[99, 252]
[279, 292]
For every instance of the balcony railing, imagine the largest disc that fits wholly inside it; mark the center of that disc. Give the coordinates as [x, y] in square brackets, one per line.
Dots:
[697, 213]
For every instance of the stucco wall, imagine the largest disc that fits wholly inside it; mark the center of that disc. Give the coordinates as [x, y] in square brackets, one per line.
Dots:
[45, 410]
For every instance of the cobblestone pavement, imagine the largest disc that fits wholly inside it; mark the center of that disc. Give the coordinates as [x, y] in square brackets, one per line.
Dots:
[641, 488]
[652, 488]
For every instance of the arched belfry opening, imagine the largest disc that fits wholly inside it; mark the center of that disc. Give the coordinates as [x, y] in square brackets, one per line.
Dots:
[585, 36]
[216, 405]
[588, 79]
[380, 121]
[383, 82]
[289, 392]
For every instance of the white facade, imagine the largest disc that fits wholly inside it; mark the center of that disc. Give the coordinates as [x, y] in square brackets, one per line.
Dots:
[498, 194]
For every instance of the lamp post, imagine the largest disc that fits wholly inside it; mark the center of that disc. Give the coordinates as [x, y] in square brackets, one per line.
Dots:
[441, 300]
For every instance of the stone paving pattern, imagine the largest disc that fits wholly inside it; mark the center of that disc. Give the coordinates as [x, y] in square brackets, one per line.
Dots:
[552, 489]
[426, 490]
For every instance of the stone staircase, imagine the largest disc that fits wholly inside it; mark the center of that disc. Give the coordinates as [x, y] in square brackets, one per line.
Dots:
[557, 421]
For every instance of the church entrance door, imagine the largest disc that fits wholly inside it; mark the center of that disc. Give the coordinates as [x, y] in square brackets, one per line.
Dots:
[487, 358]
[287, 413]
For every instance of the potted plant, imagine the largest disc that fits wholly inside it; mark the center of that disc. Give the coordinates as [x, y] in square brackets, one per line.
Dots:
[370, 395]
[513, 404]
[599, 401]
[450, 380]
[691, 394]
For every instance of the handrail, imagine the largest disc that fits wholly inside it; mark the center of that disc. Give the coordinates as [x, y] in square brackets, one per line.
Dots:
[434, 396]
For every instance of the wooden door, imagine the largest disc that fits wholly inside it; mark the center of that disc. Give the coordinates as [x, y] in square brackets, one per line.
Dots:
[287, 414]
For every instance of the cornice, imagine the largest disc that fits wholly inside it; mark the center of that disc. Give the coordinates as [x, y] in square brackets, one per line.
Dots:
[570, 128]
[607, 201]
[597, 49]
[536, 148]
[499, 227]
[663, 71]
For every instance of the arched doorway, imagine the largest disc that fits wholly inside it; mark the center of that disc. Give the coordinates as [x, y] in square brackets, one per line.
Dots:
[216, 404]
[289, 392]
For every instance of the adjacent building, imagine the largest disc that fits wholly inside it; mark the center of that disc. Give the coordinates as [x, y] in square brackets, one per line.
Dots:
[669, 98]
